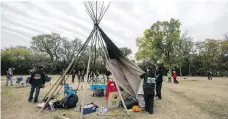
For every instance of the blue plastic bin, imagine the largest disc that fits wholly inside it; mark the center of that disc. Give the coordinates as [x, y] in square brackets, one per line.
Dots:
[98, 86]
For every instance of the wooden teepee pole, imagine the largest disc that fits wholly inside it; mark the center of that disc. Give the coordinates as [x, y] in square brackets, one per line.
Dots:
[85, 84]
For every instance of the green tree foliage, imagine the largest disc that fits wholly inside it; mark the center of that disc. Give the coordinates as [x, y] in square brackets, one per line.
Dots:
[18, 57]
[164, 42]
[126, 51]
[159, 39]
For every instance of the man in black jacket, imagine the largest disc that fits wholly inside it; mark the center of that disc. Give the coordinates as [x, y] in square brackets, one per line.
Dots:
[37, 79]
[159, 80]
[148, 88]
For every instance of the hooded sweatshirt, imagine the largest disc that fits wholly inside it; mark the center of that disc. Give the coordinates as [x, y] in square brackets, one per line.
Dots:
[38, 78]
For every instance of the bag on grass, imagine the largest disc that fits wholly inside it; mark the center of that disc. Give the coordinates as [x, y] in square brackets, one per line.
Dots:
[69, 101]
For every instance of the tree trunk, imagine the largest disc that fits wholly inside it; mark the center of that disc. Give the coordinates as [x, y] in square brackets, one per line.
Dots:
[189, 70]
[180, 71]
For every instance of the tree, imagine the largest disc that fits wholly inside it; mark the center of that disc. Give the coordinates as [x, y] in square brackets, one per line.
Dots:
[69, 49]
[49, 44]
[19, 57]
[126, 51]
[184, 50]
[160, 39]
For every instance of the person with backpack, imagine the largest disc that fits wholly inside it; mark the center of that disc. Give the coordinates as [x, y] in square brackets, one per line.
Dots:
[37, 79]
[148, 87]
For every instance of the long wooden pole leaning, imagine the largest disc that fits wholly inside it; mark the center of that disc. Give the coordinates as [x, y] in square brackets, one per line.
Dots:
[85, 84]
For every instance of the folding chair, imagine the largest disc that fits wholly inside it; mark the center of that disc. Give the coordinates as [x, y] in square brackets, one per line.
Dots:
[27, 82]
[49, 80]
[19, 82]
[69, 90]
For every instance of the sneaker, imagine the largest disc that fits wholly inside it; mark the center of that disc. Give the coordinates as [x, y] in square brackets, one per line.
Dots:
[35, 101]
[30, 99]
[158, 98]
[151, 112]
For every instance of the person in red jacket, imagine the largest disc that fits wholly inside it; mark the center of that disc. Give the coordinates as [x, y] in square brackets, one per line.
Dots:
[110, 87]
[175, 77]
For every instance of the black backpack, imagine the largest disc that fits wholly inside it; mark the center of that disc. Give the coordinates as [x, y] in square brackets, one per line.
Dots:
[67, 102]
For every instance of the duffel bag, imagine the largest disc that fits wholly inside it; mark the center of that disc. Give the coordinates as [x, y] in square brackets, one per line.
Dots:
[129, 103]
[69, 101]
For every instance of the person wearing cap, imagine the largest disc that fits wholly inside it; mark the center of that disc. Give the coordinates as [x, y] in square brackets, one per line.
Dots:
[37, 79]
[148, 87]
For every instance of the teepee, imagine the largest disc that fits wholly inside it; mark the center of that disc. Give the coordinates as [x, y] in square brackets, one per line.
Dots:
[125, 73]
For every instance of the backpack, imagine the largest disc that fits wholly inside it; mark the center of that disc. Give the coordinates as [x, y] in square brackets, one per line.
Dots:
[69, 101]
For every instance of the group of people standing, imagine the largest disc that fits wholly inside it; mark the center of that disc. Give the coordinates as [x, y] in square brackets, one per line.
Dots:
[153, 79]
[81, 75]
[152, 85]
[169, 75]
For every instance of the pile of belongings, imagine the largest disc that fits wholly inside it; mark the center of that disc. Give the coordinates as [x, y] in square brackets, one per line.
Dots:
[129, 102]
[61, 102]
[89, 108]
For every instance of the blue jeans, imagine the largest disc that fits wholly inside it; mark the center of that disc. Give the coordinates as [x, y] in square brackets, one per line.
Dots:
[37, 93]
[9, 78]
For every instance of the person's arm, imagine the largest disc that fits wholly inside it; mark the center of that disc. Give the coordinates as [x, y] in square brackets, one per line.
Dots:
[44, 78]
[142, 75]
[31, 78]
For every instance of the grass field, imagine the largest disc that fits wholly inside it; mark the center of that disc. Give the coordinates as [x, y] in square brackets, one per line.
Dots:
[193, 98]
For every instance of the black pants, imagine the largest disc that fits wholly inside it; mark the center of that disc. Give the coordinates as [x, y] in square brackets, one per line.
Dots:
[149, 99]
[209, 78]
[73, 76]
[175, 80]
[158, 89]
[37, 93]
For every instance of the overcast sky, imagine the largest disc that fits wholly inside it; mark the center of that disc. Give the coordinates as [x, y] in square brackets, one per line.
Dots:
[123, 21]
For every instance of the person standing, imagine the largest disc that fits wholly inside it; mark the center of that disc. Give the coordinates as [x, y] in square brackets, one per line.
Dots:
[107, 73]
[175, 77]
[209, 76]
[159, 80]
[73, 75]
[169, 77]
[37, 80]
[148, 87]
[82, 76]
[9, 77]
[79, 76]
[97, 76]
